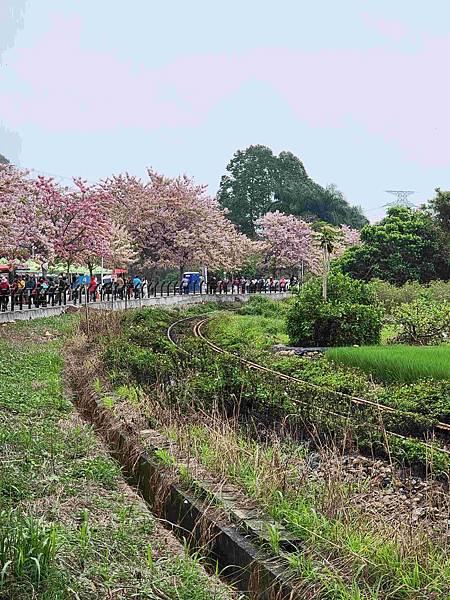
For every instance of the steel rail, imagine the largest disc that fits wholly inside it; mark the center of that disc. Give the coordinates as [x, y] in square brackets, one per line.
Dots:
[381, 407]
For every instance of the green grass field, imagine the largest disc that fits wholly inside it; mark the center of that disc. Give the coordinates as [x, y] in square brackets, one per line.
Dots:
[396, 364]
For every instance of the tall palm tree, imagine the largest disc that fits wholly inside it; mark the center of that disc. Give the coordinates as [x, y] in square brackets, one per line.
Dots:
[327, 236]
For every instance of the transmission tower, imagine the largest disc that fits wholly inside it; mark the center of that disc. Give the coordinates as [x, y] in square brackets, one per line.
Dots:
[402, 198]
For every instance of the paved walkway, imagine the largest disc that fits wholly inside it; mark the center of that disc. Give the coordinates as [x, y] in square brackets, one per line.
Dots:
[27, 314]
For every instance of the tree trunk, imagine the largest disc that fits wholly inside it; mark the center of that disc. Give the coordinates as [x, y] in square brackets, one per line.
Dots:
[325, 273]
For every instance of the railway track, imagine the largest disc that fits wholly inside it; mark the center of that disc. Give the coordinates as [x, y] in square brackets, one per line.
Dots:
[382, 408]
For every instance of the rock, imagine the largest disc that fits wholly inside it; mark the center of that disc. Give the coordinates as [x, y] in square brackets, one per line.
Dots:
[313, 461]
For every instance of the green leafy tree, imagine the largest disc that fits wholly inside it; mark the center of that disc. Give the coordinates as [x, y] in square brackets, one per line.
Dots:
[247, 190]
[439, 207]
[407, 245]
[258, 181]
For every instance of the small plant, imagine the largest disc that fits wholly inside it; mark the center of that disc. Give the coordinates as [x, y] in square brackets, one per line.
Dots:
[84, 537]
[165, 457]
[27, 548]
[273, 534]
[108, 402]
[149, 558]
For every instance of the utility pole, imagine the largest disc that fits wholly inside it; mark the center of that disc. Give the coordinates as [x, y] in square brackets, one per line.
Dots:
[402, 198]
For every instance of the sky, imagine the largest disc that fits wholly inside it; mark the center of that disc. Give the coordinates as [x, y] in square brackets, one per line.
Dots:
[359, 90]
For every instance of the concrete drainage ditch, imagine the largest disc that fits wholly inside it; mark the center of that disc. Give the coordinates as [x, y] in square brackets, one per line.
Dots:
[233, 537]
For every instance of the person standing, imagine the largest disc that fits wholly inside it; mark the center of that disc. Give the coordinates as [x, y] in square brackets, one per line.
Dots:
[144, 287]
[137, 286]
[92, 289]
[120, 286]
[185, 284]
[4, 293]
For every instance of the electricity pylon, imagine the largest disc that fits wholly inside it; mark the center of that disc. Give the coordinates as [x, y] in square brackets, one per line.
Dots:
[402, 198]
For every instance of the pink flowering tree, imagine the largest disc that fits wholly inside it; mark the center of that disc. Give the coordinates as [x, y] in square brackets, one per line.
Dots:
[173, 223]
[288, 242]
[121, 250]
[348, 237]
[73, 222]
[16, 213]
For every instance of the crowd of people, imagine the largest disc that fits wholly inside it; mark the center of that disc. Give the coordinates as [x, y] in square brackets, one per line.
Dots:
[39, 290]
[247, 285]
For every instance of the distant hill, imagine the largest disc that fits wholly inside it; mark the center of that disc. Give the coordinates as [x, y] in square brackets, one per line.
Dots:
[3, 160]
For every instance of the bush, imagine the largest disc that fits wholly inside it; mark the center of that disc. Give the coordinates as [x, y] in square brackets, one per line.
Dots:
[350, 316]
[423, 322]
[392, 296]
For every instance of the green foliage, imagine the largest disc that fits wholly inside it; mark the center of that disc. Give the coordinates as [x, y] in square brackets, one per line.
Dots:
[440, 208]
[257, 181]
[430, 400]
[391, 296]
[264, 306]
[406, 245]
[28, 549]
[423, 322]
[350, 316]
[396, 363]
[298, 194]
[247, 190]
[239, 332]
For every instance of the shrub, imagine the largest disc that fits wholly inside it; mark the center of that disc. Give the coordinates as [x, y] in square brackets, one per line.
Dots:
[350, 316]
[423, 322]
[392, 296]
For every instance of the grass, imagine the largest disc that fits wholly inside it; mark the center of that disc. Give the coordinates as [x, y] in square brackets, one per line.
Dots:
[237, 332]
[397, 363]
[345, 553]
[69, 526]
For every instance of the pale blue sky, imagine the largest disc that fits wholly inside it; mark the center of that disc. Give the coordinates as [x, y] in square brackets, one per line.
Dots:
[357, 89]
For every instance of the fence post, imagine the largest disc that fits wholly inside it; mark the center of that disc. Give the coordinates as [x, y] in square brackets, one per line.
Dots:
[12, 301]
[21, 301]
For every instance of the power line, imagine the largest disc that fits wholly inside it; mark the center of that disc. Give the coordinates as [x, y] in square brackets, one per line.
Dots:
[54, 175]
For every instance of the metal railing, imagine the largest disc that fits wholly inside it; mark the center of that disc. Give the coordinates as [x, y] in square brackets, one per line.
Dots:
[28, 299]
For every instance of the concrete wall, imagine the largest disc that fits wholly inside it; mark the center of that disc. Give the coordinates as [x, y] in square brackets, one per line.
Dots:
[29, 314]
[52, 311]
[183, 300]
